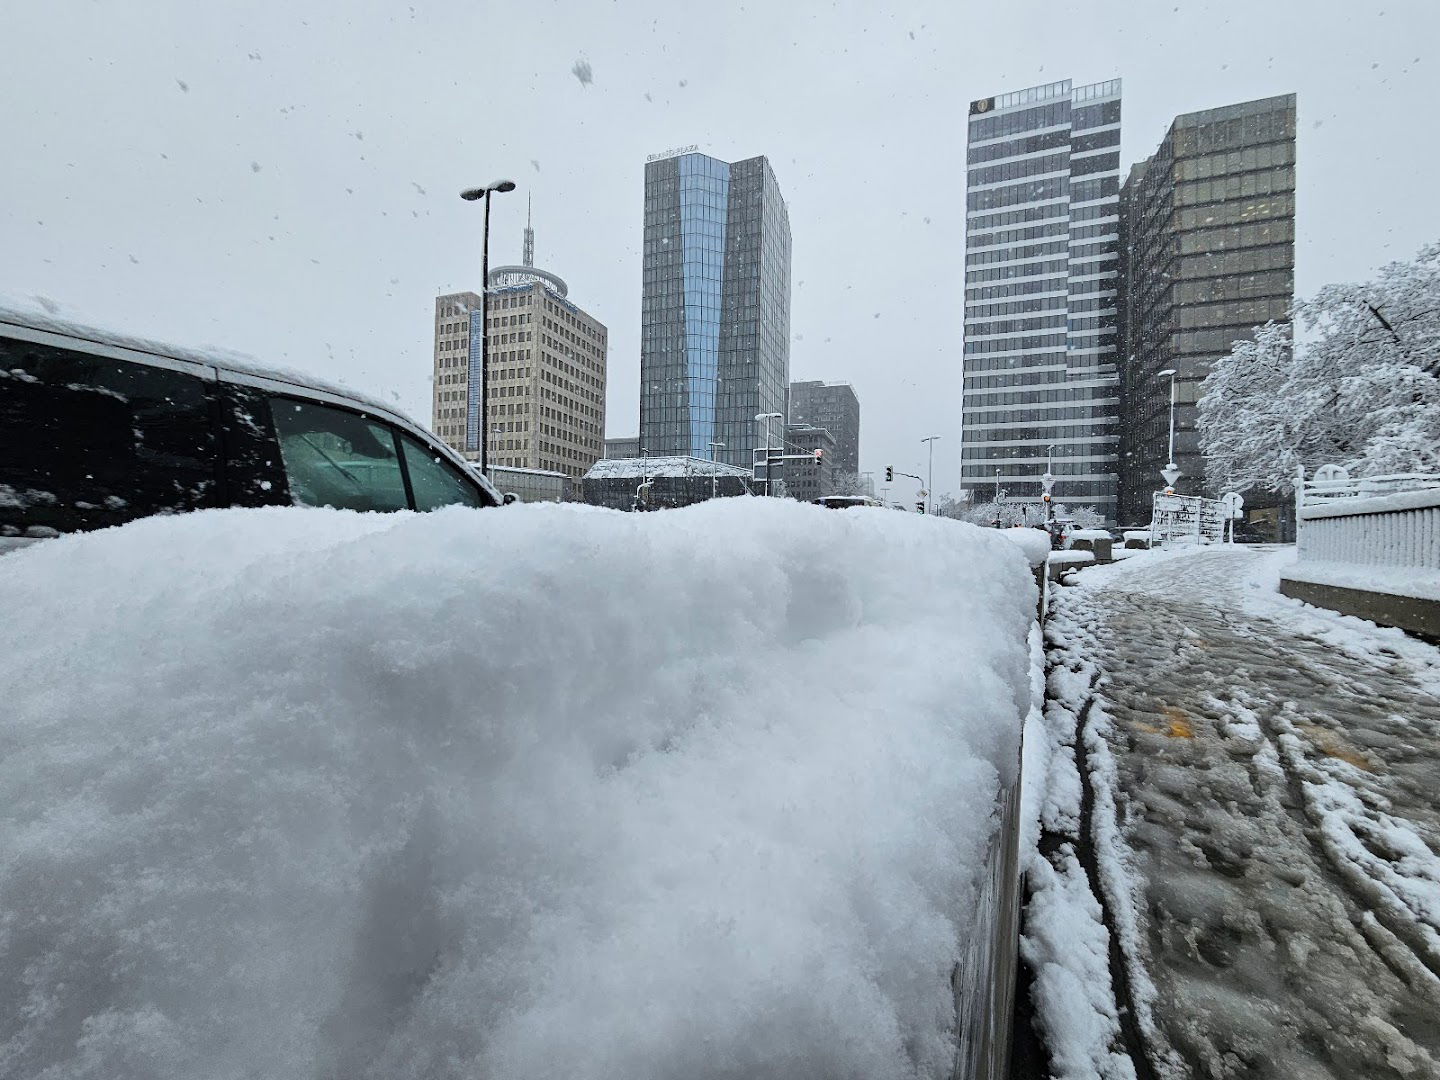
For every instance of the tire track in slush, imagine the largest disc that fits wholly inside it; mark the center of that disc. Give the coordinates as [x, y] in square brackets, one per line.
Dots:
[1148, 640]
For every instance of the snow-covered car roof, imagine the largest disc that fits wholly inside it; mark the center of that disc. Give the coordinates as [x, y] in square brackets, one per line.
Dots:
[210, 355]
[224, 360]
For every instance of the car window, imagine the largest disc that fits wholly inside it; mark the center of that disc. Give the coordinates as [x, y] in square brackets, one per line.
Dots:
[337, 458]
[435, 482]
[92, 441]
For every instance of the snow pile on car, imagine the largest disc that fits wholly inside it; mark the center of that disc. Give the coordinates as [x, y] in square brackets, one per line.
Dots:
[542, 791]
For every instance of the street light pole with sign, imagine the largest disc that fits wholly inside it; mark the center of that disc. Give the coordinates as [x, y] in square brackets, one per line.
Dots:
[1171, 472]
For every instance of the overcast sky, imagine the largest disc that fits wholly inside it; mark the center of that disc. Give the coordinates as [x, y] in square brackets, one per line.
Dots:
[280, 177]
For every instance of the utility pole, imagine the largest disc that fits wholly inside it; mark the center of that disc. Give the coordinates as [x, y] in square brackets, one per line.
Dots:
[930, 475]
[713, 478]
[767, 417]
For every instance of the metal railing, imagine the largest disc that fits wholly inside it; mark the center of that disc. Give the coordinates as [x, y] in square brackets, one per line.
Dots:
[1324, 489]
[1374, 521]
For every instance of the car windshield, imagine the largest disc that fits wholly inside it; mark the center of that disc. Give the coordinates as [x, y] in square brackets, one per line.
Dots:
[425, 648]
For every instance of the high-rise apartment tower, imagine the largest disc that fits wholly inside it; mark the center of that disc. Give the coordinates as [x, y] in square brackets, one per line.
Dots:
[1042, 216]
[1209, 254]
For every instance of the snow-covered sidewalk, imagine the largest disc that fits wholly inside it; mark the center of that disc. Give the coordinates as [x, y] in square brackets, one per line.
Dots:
[1248, 788]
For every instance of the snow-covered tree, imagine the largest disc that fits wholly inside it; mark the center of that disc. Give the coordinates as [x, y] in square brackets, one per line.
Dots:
[1082, 516]
[1360, 388]
[849, 483]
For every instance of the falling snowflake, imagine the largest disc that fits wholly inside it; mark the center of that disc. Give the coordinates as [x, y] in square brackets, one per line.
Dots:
[183, 85]
[536, 164]
[581, 70]
[417, 187]
[254, 166]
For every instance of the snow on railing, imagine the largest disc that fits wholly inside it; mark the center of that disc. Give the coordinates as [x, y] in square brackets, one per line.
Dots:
[1338, 484]
[1388, 523]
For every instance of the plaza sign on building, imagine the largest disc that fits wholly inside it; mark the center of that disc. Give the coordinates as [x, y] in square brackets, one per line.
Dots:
[673, 153]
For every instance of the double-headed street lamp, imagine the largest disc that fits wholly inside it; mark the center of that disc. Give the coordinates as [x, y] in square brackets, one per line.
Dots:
[767, 417]
[1171, 472]
[480, 437]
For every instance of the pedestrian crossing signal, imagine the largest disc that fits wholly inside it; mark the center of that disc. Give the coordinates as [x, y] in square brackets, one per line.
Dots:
[889, 474]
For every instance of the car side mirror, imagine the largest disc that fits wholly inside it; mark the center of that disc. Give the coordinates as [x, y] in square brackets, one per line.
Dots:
[508, 498]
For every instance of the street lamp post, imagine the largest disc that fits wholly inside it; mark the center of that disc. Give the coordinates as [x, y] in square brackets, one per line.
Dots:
[767, 417]
[930, 475]
[481, 436]
[1171, 472]
[713, 479]
[1048, 483]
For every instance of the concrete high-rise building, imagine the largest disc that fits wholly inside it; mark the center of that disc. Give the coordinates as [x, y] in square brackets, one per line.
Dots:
[546, 380]
[835, 407]
[808, 480]
[1209, 254]
[1041, 263]
[715, 310]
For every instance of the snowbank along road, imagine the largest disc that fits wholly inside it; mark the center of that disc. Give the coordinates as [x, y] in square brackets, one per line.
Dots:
[1249, 789]
[550, 791]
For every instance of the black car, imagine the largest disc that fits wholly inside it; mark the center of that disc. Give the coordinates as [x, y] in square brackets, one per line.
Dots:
[97, 431]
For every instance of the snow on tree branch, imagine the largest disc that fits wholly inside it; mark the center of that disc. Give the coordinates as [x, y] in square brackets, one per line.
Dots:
[1359, 388]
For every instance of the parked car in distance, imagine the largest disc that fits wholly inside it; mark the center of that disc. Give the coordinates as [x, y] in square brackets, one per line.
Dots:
[100, 430]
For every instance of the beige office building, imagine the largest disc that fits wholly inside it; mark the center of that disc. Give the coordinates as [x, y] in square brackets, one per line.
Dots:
[546, 382]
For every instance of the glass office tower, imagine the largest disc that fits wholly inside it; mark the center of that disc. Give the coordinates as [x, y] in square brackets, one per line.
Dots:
[1041, 254]
[715, 312]
[1209, 255]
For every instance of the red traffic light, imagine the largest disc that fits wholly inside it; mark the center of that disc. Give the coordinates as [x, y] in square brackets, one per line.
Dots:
[819, 456]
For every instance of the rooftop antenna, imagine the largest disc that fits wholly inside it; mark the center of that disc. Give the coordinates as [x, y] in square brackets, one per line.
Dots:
[529, 257]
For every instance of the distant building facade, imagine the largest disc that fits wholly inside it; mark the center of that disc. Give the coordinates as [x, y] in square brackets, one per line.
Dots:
[1209, 222]
[531, 485]
[715, 309]
[624, 446]
[835, 407]
[808, 480]
[546, 379]
[1041, 269]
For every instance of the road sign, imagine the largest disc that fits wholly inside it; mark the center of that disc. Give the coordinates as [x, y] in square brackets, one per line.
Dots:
[1048, 483]
[1171, 474]
[1232, 501]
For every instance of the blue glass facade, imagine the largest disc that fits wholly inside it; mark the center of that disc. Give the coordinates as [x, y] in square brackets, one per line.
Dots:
[715, 319]
[704, 200]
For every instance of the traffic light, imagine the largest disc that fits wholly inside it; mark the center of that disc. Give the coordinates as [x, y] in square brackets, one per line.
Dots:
[889, 474]
[819, 456]
[920, 507]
